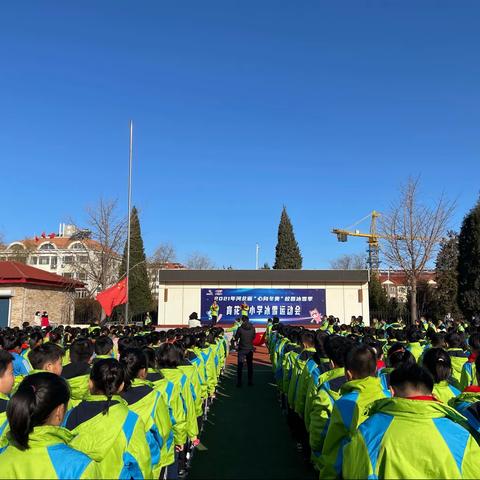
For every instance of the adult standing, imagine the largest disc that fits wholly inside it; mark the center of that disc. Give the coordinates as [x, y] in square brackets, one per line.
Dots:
[244, 309]
[44, 320]
[214, 308]
[245, 336]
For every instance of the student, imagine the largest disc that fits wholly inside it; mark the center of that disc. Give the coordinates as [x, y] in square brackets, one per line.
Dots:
[437, 362]
[411, 435]
[397, 356]
[103, 348]
[7, 380]
[105, 428]
[12, 342]
[349, 411]
[469, 375]
[457, 354]
[150, 406]
[77, 372]
[38, 447]
[46, 358]
[328, 391]
[414, 347]
[468, 402]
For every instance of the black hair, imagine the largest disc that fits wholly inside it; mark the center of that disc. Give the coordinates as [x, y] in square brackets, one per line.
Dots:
[47, 352]
[5, 360]
[413, 375]
[103, 345]
[414, 335]
[307, 336]
[81, 350]
[12, 340]
[168, 356]
[124, 343]
[107, 376]
[361, 361]
[437, 339]
[34, 401]
[399, 357]
[454, 340]
[35, 337]
[55, 336]
[336, 348]
[193, 316]
[474, 342]
[133, 360]
[437, 361]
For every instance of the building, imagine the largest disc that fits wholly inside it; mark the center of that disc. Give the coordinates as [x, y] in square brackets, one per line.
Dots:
[71, 254]
[153, 269]
[295, 296]
[25, 290]
[396, 286]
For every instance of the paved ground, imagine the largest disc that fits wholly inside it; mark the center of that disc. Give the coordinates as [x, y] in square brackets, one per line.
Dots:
[246, 436]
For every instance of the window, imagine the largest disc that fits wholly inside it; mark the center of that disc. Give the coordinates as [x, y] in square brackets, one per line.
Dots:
[33, 260]
[68, 275]
[47, 246]
[44, 260]
[82, 276]
[77, 246]
[54, 263]
[83, 259]
[68, 259]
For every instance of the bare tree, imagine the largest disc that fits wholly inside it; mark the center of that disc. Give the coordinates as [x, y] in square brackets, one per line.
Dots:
[412, 232]
[353, 261]
[199, 261]
[99, 256]
[164, 253]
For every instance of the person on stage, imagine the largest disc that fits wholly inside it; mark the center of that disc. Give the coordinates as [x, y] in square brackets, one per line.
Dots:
[214, 308]
[244, 309]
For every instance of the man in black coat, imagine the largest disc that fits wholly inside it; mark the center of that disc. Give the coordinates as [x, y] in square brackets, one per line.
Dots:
[245, 336]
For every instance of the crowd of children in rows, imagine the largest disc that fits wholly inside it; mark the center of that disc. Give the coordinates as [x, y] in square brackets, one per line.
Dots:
[119, 402]
[366, 402]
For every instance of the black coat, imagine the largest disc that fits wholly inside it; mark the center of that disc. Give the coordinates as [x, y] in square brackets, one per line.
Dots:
[245, 336]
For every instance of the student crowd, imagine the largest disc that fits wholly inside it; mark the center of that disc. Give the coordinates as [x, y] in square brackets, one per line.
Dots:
[119, 402]
[382, 402]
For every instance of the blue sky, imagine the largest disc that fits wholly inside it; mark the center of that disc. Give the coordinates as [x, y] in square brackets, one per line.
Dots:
[240, 107]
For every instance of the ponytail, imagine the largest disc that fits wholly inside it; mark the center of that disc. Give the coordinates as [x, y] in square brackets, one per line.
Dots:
[34, 401]
[107, 376]
[438, 363]
[133, 360]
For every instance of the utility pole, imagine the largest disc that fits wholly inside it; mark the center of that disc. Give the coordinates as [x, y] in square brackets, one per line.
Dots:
[130, 159]
[257, 249]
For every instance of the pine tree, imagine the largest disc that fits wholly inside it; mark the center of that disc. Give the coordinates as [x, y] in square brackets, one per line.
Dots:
[377, 297]
[469, 263]
[446, 269]
[139, 293]
[287, 252]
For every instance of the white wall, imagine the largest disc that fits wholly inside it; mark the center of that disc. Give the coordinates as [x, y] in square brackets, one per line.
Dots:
[184, 298]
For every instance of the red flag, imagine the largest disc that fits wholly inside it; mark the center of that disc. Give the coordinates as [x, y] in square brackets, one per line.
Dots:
[259, 339]
[44, 235]
[36, 239]
[52, 235]
[113, 296]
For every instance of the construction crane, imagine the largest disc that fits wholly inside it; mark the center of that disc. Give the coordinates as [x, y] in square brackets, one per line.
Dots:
[372, 238]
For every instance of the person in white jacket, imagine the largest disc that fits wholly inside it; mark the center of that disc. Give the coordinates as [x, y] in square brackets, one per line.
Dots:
[193, 320]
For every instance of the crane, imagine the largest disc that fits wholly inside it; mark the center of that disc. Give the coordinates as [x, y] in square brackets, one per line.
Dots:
[372, 238]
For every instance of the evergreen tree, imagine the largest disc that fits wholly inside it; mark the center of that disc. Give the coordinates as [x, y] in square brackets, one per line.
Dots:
[139, 293]
[287, 252]
[377, 297]
[469, 263]
[446, 268]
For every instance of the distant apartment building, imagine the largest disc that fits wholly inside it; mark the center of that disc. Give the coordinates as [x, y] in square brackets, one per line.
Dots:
[396, 286]
[70, 253]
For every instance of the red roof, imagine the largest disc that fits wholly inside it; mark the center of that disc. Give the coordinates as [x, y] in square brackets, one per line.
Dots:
[19, 273]
[399, 278]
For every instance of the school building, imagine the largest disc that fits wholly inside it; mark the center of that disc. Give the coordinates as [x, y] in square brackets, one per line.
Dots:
[295, 296]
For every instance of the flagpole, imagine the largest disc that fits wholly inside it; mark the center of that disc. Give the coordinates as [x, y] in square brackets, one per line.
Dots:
[130, 158]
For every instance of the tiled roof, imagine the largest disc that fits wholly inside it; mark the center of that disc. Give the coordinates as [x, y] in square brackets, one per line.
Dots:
[19, 273]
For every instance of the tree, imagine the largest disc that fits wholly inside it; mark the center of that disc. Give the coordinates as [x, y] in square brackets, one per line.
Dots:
[266, 266]
[469, 263]
[164, 253]
[446, 269]
[199, 261]
[139, 293]
[98, 261]
[377, 297]
[287, 252]
[412, 232]
[353, 261]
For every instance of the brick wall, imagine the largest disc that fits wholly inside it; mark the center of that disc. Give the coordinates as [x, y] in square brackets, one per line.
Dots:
[28, 299]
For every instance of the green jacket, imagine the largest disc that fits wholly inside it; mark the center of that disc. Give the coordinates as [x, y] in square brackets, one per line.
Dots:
[149, 405]
[195, 356]
[191, 372]
[349, 411]
[469, 375]
[297, 368]
[77, 375]
[416, 439]
[415, 349]
[115, 440]
[327, 392]
[177, 377]
[208, 356]
[444, 391]
[302, 387]
[49, 456]
[3, 416]
[467, 403]
[458, 358]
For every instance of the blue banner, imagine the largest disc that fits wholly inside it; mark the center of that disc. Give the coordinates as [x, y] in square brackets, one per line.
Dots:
[289, 305]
